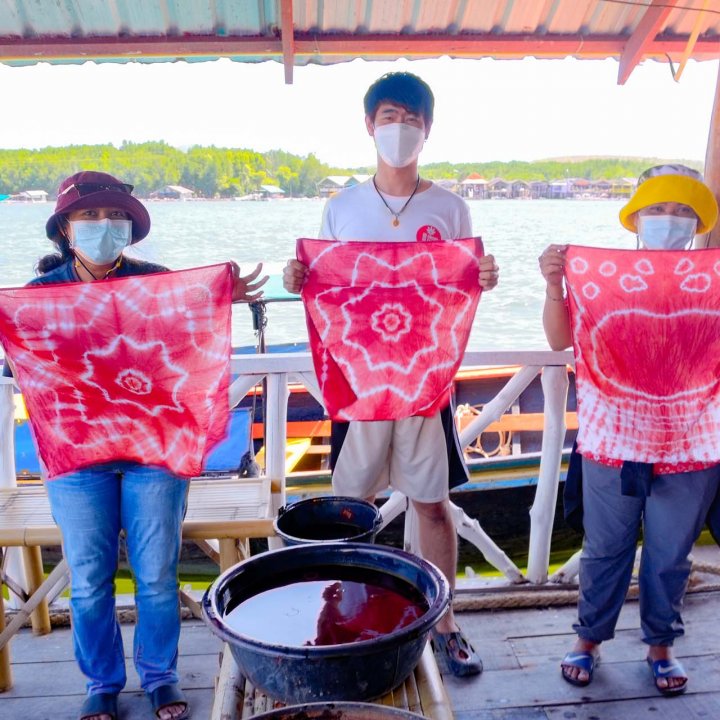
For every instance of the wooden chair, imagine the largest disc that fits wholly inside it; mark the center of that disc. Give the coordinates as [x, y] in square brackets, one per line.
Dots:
[229, 510]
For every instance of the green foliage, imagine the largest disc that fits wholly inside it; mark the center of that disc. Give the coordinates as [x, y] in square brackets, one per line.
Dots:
[591, 168]
[228, 172]
[209, 171]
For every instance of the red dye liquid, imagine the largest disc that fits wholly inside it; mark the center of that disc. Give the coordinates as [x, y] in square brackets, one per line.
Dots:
[325, 612]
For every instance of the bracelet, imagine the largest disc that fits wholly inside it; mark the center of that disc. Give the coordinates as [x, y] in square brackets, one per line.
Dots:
[554, 299]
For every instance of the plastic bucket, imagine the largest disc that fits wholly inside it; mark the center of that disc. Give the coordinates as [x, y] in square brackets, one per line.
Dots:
[349, 671]
[328, 519]
[338, 711]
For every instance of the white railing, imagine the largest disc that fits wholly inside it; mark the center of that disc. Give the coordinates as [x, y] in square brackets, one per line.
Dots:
[279, 369]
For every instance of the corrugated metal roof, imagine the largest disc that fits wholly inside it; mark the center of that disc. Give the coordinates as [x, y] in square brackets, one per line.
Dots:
[298, 32]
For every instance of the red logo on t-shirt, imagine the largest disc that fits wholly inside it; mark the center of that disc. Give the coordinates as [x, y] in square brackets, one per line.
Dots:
[428, 233]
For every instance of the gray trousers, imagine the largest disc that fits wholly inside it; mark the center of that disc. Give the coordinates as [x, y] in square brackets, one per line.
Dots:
[672, 517]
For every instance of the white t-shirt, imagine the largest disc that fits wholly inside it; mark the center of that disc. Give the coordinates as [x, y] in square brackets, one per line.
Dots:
[358, 213]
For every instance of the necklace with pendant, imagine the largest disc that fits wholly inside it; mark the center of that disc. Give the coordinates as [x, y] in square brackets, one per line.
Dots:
[396, 215]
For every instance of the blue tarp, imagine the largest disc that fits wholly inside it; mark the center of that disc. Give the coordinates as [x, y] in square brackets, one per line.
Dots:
[227, 457]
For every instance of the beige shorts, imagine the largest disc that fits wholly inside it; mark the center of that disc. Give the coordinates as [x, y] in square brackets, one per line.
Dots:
[409, 455]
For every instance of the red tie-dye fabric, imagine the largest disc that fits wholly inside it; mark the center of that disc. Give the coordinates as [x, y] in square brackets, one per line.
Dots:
[388, 323]
[646, 335]
[133, 368]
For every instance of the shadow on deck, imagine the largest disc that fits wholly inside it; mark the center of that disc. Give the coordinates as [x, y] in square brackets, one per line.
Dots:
[521, 650]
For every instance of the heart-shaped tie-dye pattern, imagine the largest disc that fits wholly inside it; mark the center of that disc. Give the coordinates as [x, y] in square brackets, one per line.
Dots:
[646, 333]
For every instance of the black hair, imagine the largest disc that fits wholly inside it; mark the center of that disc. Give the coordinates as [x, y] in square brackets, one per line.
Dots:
[401, 88]
[53, 260]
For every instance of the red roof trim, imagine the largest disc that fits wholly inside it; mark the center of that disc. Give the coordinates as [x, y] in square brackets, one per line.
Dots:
[338, 47]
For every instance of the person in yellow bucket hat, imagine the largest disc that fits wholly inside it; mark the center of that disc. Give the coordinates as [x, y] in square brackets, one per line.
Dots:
[670, 205]
[678, 195]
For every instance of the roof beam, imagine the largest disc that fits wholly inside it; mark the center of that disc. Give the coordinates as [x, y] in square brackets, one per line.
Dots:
[287, 34]
[643, 36]
[342, 47]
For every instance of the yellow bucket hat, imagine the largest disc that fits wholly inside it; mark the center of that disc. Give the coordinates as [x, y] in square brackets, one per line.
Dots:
[672, 183]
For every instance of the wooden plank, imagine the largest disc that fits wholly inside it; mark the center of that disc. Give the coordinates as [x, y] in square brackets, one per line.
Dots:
[687, 707]
[643, 36]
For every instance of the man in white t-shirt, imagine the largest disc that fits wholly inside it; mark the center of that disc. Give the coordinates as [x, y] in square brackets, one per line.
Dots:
[413, 455]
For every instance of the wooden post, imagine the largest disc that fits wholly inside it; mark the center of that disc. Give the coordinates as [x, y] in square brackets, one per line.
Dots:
[8, 479]
[542, 514]
[712, 165]
[40, 618]
[7, 434]
[276, 440]
[5, 669]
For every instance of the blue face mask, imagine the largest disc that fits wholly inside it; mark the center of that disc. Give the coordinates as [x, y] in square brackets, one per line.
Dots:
[100, 241]
[666, 232]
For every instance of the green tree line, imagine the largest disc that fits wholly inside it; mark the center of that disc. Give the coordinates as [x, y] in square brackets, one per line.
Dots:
[209, 171]
[227, 172]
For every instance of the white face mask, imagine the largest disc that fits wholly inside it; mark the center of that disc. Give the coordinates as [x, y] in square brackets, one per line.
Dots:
[100, 241]
[399, 144]
[666, 232]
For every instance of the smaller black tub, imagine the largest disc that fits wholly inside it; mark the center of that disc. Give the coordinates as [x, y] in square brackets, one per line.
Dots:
[331, 518]
[360, 670]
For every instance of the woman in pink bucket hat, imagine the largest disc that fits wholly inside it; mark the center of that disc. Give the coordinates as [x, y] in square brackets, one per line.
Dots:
[96, 217]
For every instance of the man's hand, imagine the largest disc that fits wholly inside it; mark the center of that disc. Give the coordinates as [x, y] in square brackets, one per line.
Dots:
[244, 288]
[489, 272]
[294, 274]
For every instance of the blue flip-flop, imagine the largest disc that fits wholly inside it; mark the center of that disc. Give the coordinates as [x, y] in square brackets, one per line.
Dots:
[668, 669]
[585, 661]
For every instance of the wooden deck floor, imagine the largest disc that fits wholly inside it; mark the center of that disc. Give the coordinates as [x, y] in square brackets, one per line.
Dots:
[521, 650]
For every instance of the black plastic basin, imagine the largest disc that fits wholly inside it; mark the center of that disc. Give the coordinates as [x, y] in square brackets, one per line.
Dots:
[328, 519]
[352, 671]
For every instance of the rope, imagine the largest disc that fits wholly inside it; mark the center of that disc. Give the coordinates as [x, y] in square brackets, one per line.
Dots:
[495, 598]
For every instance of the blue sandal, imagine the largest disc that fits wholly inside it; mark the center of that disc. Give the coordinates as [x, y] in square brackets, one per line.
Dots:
[585, 661]
[166, 695]
[664, 669]
[100, 704]
[459, 655]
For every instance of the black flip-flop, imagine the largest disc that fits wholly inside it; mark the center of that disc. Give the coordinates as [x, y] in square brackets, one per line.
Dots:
[100, 704]
[166, 695]
[459, 655]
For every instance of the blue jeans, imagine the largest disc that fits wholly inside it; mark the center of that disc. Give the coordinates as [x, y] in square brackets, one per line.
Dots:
[91, 507]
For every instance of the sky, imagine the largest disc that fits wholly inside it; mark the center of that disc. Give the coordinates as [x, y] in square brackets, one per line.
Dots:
[485, 109]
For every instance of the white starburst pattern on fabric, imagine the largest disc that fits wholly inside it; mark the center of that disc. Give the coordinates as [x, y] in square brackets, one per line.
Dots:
[131, 368]
[645, 351]
[388, 322]
[392, 321]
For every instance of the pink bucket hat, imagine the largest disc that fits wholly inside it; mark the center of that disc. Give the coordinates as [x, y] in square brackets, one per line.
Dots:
[90, 189]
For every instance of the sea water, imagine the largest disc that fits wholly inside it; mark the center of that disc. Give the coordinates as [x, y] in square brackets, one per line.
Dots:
[189, 234]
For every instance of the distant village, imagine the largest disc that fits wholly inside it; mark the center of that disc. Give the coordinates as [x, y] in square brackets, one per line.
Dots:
[473, 187]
